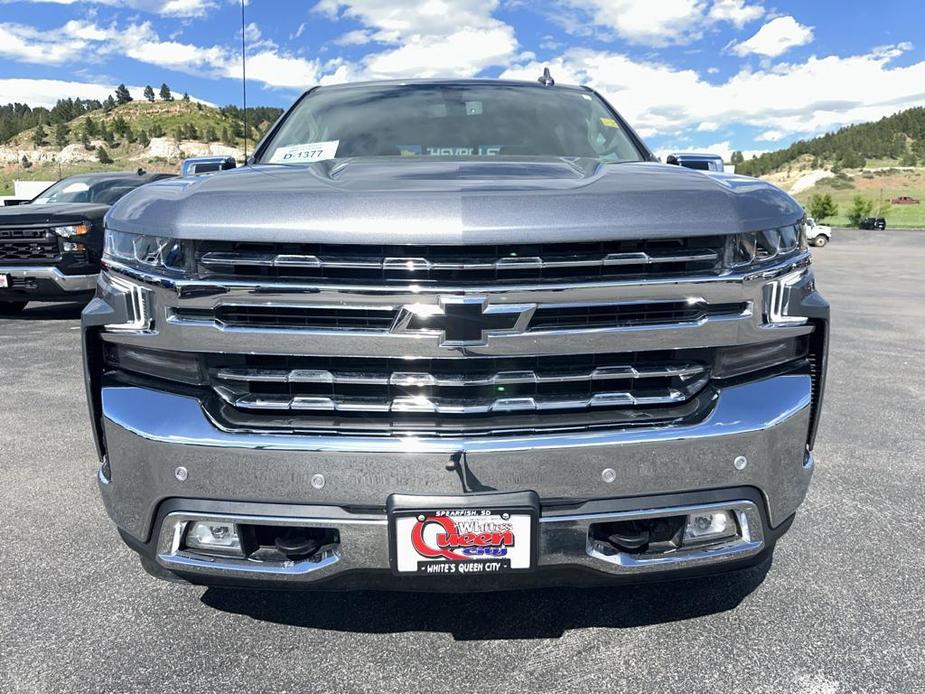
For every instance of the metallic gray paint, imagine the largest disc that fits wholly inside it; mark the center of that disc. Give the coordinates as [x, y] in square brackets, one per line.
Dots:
[438, 201]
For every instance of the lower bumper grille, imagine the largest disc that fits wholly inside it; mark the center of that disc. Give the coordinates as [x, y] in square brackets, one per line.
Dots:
[390, 394]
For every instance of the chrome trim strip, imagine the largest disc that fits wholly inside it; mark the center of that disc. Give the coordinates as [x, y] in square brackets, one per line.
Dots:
[421, 379]
[66, 283]
[560, 540]
[415, 264]
[187, 289]
[354, 532]
[439, 405]
[749, 540]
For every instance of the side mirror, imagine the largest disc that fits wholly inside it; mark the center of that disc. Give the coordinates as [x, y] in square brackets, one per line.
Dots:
[197, 166]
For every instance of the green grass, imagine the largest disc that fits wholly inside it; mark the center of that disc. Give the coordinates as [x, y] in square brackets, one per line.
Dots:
[897, 216]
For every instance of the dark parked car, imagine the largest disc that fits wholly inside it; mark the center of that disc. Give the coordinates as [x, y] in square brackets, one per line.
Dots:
[878, 223]
[50, 248]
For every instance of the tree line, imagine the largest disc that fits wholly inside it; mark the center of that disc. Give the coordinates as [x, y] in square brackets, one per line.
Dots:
[51, 125]
[899, 137]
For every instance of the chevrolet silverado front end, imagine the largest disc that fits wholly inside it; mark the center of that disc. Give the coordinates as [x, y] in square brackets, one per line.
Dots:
[454, 335]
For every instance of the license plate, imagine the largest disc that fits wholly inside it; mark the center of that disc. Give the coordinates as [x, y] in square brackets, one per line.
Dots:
[4, 281]
[462, 540]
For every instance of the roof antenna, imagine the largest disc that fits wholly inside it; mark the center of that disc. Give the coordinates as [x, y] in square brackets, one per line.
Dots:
[546, 80]
[244, 76]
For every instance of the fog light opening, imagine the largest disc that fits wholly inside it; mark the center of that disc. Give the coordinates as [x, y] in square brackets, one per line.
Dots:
[214, 537]
[709, 526]
[644, 537]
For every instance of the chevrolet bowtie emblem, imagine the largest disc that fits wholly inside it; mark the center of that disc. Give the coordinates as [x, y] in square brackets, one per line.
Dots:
[463, 320]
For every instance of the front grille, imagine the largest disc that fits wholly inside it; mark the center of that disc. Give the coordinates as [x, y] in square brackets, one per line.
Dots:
[558, 317]
[28, 245]
[414, 393]
[461, 265]
[624, 315]
[289, 316]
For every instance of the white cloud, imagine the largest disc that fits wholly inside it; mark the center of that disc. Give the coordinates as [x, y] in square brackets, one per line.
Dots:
[771, 136]
[47, 92]
[423, 38]
[813, 96]
[775, 38]
[646, 22]
[736, 12]
[659, 22]
[77, 40]
[171, 8]
[708, 126]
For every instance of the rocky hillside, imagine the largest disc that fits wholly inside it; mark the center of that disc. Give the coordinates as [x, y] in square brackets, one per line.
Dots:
[152, 135]
[897, 140]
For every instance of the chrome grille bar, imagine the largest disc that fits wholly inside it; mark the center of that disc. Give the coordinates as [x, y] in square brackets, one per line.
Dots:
[417, 264]
[433, 405]
[418, 379]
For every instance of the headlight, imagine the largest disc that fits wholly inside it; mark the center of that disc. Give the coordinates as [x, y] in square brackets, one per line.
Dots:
[144, 252]
[70, 230]
[771, 244]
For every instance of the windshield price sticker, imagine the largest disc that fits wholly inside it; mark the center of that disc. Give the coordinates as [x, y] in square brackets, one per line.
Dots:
[307, 153]
[463, 542]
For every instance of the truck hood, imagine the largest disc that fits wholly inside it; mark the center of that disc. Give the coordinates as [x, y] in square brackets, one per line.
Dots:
[59, 213]
[440, 201]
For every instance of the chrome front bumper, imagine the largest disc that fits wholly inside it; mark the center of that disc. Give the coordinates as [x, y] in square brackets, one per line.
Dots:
[150, 434]
[66, 283]
[563, 541]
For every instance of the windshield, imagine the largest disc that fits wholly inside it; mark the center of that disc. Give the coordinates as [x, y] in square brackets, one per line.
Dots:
[104, 192]
[454, 120]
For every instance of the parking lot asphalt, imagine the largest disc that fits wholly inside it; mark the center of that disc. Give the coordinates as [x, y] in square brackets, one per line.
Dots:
[841, 609]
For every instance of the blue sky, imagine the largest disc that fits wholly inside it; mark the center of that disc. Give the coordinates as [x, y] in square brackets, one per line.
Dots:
[692, 74]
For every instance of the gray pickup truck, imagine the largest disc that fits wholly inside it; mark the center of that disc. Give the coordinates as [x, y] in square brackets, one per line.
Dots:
[454, 335]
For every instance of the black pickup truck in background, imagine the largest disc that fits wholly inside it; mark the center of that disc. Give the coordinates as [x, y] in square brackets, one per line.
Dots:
[50, 247]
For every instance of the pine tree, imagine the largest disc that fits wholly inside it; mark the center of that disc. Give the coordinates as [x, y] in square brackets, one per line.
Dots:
[210, 135]
[61, 135]
[149, 92]
[143, 138]
[165, 93]
[26, 164]
[122, 94]
[85, 140]
[227, 139]
[110, 103]
[90, 126]
[185, 97]
[39, 136]
[107, 135]
[119, 125]
[191, 132]
[103, 156]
